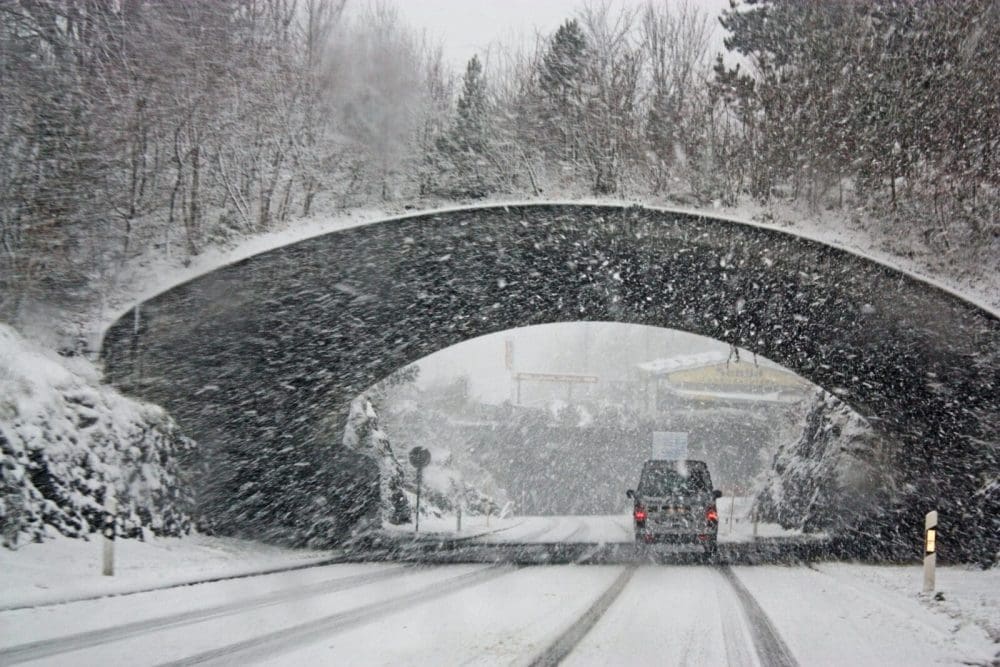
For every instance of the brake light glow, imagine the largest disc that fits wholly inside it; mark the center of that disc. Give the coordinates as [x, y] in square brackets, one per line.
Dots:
[640, 514]
[712, 515]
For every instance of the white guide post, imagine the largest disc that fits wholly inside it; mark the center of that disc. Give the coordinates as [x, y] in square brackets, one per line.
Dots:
[732, 509]
[110, 510]
[930, 550]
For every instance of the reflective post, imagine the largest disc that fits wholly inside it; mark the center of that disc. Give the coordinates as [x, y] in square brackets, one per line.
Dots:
[930, 550]
[110, 509]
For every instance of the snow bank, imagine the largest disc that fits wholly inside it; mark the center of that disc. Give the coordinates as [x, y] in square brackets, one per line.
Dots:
[62, 569]
[64, 439]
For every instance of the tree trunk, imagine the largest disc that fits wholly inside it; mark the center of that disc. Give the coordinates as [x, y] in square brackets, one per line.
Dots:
[194, 213]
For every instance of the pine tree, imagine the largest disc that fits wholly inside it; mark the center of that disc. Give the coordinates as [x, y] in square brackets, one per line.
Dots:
[561, 80]
[467, 146]
[470, 126]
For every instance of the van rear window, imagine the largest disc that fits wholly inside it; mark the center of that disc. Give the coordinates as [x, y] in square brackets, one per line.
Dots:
[670, 480]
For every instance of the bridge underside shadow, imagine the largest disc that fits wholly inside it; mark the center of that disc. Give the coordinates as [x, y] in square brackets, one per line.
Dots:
[259, 360]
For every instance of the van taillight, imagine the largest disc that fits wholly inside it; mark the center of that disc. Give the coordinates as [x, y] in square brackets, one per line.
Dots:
[640, 514]
[711, 514]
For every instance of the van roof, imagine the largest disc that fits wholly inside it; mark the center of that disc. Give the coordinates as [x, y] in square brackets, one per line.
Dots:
[671, 462]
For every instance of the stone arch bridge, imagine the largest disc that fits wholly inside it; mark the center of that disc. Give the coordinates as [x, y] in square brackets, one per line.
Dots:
[259, 359]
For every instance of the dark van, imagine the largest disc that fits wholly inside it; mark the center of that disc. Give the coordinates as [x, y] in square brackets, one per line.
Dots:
[675, 503]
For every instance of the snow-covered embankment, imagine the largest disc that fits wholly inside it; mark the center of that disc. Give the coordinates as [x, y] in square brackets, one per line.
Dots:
[65, 438]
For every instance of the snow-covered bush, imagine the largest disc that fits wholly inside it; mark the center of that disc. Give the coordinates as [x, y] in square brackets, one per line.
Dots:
[832, 476]
[65, 439]
[362, 433]
[443, 482]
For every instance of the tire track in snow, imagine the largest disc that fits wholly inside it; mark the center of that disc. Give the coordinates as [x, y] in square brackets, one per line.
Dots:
[568, 640]
[581, 527]
[740, 649]
[530, 537]
[771, 648]
[75, 642]
[278, 641]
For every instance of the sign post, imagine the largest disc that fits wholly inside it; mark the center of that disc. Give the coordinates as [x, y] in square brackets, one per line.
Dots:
[930, 550]
[110, 510]
[419, 458]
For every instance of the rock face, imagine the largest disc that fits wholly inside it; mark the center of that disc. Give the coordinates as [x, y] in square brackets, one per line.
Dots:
[65, 439]
[834, 477]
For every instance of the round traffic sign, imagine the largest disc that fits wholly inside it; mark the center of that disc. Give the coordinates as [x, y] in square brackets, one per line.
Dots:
[420, 457]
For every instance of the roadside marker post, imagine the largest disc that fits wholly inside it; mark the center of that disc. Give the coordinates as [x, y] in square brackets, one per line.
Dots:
[110, 510]
[930, 550]
[732, 508]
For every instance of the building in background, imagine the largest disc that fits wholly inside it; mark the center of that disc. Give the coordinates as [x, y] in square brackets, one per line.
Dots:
[715, 379]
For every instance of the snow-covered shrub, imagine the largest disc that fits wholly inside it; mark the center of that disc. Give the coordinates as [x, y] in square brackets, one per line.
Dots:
[362, 433]
[443, 482]
[65, 439]
[833, 476]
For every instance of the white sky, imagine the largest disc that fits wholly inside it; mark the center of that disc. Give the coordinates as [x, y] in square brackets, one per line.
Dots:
[606, 349]
[469, 27]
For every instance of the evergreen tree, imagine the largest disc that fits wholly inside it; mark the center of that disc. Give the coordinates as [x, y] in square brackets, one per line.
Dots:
[467, 147]
[561, 78]
[470, 125]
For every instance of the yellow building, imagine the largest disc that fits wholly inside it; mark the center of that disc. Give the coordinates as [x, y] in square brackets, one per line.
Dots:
[716, 379]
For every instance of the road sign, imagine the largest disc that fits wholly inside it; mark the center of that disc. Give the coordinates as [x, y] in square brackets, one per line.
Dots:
[419, 458]
[670, 445]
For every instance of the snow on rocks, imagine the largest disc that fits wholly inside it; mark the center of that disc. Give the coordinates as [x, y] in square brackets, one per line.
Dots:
[65, 439]
[830, 475]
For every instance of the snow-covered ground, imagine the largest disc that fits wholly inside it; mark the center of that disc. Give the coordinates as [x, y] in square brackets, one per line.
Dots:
[874, 615]
[61, 568]
[390, 614]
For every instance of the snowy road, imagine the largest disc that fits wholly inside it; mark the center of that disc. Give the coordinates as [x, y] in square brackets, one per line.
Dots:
[389, 614]
[595, 529]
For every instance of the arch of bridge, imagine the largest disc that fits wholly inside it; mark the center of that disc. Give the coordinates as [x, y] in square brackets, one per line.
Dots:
[254, 355]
